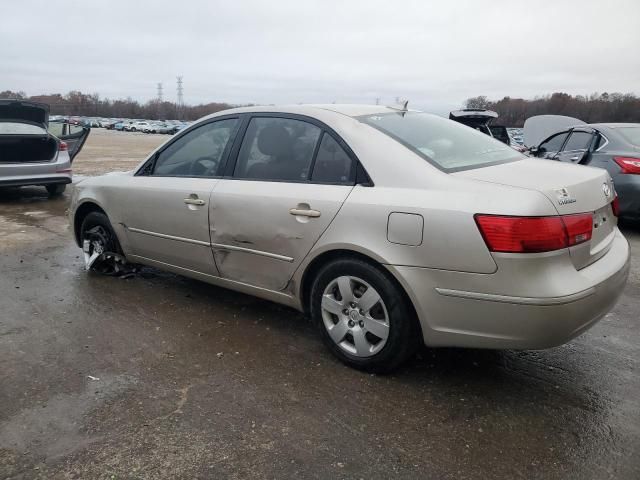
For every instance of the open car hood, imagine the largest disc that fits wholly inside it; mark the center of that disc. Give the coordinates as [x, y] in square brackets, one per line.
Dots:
[473, 117]
[18, 111]
[541, 127]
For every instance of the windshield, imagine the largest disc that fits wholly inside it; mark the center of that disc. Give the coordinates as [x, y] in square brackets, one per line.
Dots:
[630, 134]
[446, 144]
[13, 128]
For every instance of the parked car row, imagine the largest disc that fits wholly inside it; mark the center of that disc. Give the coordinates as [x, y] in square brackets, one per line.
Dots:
[168, 127]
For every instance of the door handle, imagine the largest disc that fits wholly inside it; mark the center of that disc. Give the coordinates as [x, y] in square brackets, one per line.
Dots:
[573, 159]
[304, 212]
[193, 201]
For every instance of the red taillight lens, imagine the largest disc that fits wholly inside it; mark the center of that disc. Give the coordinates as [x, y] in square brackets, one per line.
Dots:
[579, 228]
[63, 147]
[628, 164]
[534, 234]
[615, 206]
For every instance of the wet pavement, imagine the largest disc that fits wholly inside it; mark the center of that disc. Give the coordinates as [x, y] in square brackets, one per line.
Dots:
[159, 376]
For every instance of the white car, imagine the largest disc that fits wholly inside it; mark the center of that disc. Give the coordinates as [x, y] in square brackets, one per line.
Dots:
[391, 228]
[140, 127]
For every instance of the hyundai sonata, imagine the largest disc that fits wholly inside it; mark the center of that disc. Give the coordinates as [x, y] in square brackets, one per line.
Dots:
[389, 227]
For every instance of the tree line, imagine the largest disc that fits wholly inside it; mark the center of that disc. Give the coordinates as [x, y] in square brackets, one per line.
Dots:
[597, 107]
[594, 108]
[76, 103]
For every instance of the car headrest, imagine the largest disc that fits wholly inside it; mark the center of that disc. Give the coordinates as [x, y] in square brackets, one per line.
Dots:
[274, 140]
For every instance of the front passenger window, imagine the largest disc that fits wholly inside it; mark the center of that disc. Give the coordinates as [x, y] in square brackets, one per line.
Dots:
[199, 152]
[554, 143]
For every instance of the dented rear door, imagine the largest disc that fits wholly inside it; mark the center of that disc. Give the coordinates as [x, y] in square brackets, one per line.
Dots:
[262, 230]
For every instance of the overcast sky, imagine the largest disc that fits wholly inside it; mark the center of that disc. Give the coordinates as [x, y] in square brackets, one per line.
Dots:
[435, 53]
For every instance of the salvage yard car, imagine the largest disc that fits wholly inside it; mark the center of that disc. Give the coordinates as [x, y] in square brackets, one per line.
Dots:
[391, 228]
[481, 120]
[612, 146]
[34, 151]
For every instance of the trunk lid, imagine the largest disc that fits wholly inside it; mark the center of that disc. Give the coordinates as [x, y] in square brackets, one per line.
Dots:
[570, 188]
[473, 117]
[18, 111]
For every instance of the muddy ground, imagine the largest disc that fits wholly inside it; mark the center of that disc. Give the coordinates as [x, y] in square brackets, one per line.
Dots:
[159, 376]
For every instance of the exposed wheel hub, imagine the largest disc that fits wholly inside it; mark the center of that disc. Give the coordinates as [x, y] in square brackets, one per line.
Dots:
[98, 246]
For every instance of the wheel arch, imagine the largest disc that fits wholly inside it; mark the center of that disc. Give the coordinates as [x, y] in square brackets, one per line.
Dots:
[80, 214]
[314, 266]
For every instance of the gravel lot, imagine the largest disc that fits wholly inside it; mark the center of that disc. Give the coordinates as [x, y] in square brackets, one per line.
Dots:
[159, 376]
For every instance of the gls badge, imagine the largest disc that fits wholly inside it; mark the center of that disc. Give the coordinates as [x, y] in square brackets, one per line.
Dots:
[564, 198]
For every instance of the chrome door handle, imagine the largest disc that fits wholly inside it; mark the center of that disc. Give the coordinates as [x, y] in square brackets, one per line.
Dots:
[193, 201]
[304, 213]
[573, 159]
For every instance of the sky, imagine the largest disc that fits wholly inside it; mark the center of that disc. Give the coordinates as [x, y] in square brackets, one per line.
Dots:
[434, 53]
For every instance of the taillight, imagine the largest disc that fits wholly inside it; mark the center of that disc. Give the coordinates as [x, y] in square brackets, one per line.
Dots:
[534, 234]
[579, 228]
[63, 147]
[628, 164]
[615, 206]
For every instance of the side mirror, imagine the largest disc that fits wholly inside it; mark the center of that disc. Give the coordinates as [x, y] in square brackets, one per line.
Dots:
[536, 151]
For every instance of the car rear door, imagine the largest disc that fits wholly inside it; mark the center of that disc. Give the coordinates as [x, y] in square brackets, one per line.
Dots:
[166, 204]
[288, 180]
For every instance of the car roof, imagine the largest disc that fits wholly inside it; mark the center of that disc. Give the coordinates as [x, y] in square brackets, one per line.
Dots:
[614, 125]
[350, 110]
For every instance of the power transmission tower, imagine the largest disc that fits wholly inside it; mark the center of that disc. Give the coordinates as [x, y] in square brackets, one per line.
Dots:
[160, 92]
[180, 102]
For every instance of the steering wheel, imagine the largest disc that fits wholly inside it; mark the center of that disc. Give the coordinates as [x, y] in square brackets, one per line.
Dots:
[199, 167]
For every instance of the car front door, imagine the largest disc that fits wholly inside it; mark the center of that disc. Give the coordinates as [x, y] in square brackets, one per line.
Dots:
[288, 181]
[166, 215]
[577, 147]
[551, 146]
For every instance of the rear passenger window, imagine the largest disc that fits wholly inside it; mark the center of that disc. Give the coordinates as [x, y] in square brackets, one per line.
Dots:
[578, 141]
[277, 149]
[333, 165]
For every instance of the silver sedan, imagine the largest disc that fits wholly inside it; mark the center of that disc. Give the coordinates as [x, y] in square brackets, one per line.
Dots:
[390, 228]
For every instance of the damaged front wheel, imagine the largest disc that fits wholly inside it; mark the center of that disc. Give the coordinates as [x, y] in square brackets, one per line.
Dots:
[102, 252]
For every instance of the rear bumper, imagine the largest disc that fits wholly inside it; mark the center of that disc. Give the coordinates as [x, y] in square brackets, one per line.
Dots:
[37, 180]
[628, 190]
[45, 173]
[572, 301]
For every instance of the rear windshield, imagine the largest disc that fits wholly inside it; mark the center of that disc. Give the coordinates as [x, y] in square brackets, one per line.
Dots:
[446, 144]
[630, 134]
[10, 128]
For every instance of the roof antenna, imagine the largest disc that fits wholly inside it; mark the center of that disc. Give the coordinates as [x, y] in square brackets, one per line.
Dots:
[402, 107]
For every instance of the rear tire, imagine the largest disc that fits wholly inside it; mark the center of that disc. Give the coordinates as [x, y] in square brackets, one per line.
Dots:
[375, 329]
[56, 189]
